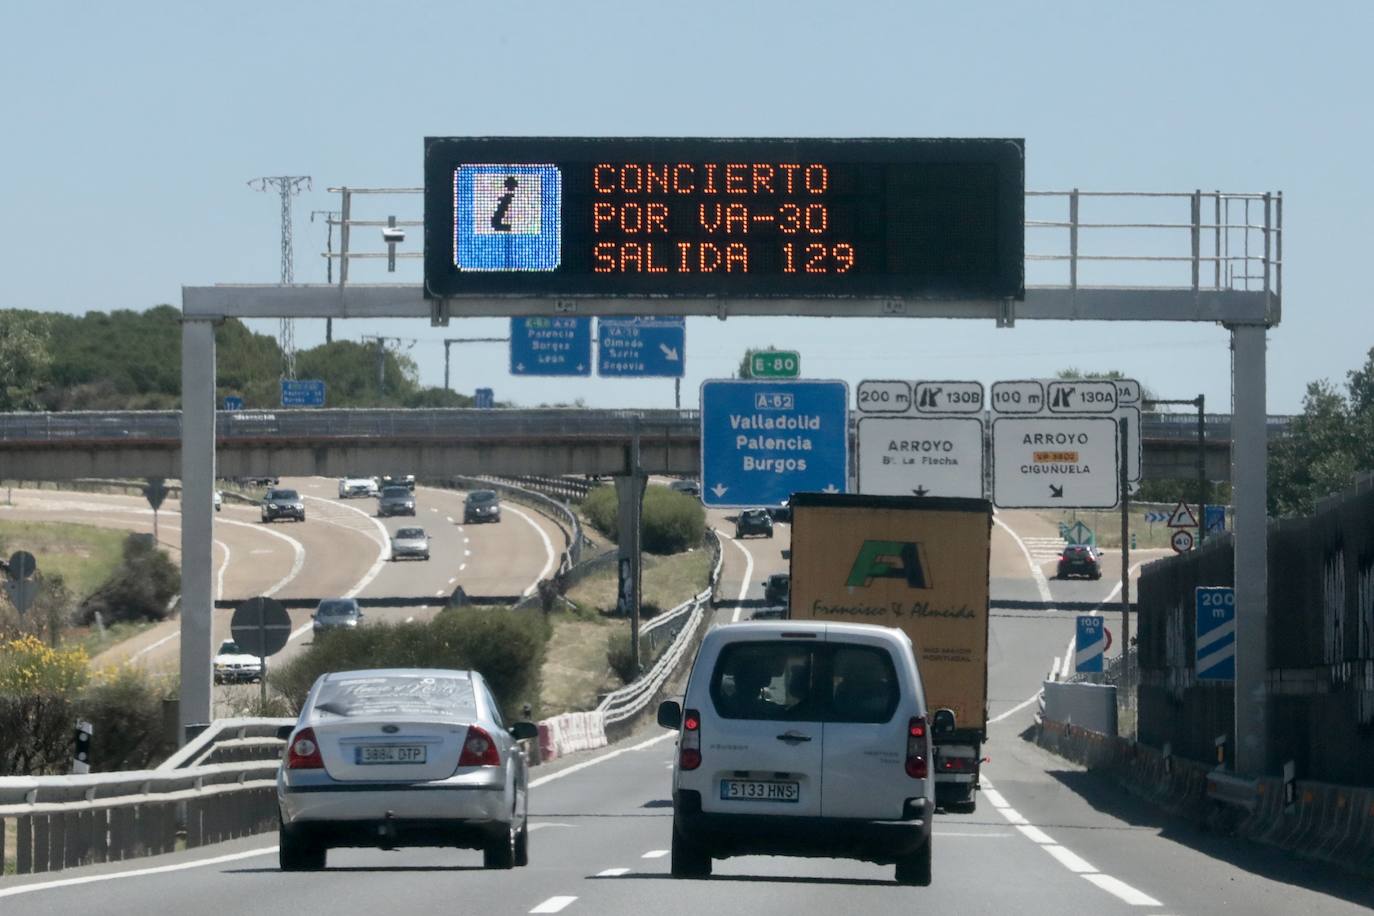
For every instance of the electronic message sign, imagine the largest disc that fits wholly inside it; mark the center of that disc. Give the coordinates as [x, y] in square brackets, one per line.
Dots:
[719, 218]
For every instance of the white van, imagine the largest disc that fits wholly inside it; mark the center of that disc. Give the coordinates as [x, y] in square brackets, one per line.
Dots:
[806, 739]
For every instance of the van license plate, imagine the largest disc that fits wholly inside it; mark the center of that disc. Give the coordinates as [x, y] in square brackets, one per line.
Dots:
[759, 790]
[391, 753]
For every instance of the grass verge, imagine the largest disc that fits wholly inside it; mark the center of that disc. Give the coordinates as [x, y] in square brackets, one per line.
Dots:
[84, 555]
[668, 581]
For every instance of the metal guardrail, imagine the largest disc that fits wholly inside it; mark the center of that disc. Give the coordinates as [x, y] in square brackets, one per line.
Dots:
[629, 701]
[163, 427]
[568, 520]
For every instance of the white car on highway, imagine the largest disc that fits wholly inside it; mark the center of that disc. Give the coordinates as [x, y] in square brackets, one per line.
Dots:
[410, 542]
[350, 487]
[806, 739]
[403, 757]
[234, 666]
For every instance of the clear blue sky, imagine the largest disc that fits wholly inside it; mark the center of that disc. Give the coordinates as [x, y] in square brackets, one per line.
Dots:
[130, 129]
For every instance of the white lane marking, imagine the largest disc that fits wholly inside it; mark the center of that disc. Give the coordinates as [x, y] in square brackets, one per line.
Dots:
[654, 854]
[432, 509]
[613, 873]
[748, 574]
[542, 780]
[1042, 585]
[1123, 890]
[461, 567]
[135, 873]
[1015, 709]
[452, 580]
[219, 576]
[383, 545]
[1035, 834]
[467, 553]
[549, 552]
[1070, 860]
[971, 835]
[440, 593]
[553, 905]
[466, 540]
[543, 824]
[448, 518]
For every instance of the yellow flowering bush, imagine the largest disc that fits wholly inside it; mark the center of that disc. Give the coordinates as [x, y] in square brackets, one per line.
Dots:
[27, 666]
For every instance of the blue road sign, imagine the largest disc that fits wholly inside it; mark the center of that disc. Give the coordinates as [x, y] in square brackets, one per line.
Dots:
[1089, 645]
[550, 346]
[302, 392]
[640, 347]
[1214, 519]
[484, 399]
[1216, 634]
[763, 441]
[233, 402]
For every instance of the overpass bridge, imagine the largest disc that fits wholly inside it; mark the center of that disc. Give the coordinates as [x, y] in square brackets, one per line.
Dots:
[440, 442]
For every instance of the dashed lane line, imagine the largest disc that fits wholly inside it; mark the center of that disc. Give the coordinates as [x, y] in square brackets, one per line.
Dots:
[1064, 856]
[613, 873]
[553, 905]
[654, 854]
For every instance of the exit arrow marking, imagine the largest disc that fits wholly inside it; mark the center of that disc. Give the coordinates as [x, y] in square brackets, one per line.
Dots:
[831, 488]
[920, 491]
[1056, 492]
[719, 490]
[669, 352]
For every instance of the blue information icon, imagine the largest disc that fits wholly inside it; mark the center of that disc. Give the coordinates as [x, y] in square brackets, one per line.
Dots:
[507, 217]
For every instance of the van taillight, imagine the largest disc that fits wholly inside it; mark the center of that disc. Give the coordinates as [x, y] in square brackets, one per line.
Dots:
[917, 766]
[304, 751]
[689, 746]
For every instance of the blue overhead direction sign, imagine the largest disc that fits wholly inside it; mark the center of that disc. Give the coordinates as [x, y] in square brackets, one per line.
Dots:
[551, 346]
[641, 347]
[1215, 653]
[762, 441]
[1090, 644]
[301, 392]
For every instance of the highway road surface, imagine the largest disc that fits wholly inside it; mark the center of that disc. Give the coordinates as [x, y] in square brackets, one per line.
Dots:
[1047, 837]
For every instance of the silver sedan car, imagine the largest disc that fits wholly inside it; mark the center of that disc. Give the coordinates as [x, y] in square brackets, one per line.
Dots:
[403, 757]
[410, 542]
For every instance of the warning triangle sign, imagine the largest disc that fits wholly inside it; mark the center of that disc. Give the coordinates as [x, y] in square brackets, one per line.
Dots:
[1182, 516]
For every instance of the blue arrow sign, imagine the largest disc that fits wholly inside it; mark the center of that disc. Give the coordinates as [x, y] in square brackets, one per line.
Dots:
[1216, 634]
[233, 402]
[550, 346]
[1214, 519]
[302, 392]
[640, 347]
[1089, 645]
[763, 441]
[483, 398]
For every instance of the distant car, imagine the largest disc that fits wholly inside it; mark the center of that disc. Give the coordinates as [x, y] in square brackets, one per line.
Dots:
[219, 500]
[410, 542]
[1079, 560]
[336, 614]
[395, 500]
[282, 504]
[781, 513]
[690, 487]
[398, 480]
[350, 487]
[482, 506]
[235, 666]
[754, 521]
[776, 588]
[367, 740]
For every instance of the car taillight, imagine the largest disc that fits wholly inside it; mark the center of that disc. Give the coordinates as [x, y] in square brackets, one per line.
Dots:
[479, 750]
[956, 764]
[689, 747]
[916, 763]
[304, 752]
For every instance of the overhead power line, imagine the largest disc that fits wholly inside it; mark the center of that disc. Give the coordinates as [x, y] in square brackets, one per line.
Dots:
[287, 186]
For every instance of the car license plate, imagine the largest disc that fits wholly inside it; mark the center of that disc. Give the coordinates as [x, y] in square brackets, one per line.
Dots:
[759, 790]
[391, 753]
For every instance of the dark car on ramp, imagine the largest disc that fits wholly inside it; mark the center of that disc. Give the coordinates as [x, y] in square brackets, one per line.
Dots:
[1079, 560]
[754, 521]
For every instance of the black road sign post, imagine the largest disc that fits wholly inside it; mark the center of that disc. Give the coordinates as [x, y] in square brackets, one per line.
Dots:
[155, 492]
[261, 627]
[19, 581]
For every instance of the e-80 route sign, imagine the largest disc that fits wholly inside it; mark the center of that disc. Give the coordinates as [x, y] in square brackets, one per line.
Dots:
[763, 441]
[729, 218]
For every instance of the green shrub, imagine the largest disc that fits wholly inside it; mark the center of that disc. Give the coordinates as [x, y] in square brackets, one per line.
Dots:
[506, 646]
[618, 656]
[140, 589]
[125, 709]
[672, 521]
[35, 733]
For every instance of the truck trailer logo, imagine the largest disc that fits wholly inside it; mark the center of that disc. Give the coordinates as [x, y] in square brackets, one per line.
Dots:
[889, 560]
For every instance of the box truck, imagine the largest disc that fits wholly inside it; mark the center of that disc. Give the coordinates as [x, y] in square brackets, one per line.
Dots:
[919, 564]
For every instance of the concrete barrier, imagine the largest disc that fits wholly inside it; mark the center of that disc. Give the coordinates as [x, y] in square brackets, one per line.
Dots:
[1089, 706]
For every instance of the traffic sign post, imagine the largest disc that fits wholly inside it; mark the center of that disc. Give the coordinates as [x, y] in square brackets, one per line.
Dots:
[483, 399]
[1055, 463]
[1215, 652]
[641, 347]
[763, 441]
[1182, 516]
[775, 364]
[551, 346]
[300, 392]
[1077, 533]
[921, 456]
[1181, 540]
[261, 627]
[1089, 645]
[1214, 519]
[233, 402]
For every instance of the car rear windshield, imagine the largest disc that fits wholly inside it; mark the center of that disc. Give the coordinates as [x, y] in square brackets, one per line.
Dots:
[804, 682]
[398, 695]
[396, 493]
[1077, 552]
[409, 534]
[337, 609]
[230, 648]
[482, 496]
[283, 494]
